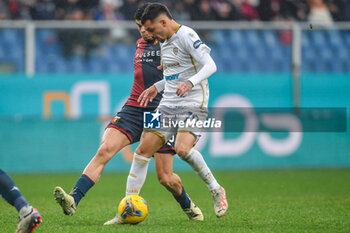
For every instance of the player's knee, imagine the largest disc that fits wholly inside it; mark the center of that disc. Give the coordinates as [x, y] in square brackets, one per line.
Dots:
[182, 150]
[164, 180]
[141, 151]
[105, 153]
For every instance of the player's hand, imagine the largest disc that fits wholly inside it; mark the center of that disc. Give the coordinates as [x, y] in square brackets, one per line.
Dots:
[184, 88]
[160, 67]
[147, 96]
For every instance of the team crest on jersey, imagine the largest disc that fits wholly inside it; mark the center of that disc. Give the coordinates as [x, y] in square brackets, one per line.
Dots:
[175, 50]
[115, 119]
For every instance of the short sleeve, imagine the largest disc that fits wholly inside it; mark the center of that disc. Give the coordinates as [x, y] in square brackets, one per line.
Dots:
[194, 45]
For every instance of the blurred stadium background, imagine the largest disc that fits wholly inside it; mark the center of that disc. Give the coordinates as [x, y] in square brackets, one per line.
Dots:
[67, 66]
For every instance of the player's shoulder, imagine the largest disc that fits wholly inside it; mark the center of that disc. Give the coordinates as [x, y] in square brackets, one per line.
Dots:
[187, 36]
[185, 31]
[139, 41]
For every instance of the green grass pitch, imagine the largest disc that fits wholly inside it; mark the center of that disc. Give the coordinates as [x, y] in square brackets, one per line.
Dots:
[259, 201]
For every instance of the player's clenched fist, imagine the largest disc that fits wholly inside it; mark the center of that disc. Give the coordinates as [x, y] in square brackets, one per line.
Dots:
[184, 88]
[147, 96]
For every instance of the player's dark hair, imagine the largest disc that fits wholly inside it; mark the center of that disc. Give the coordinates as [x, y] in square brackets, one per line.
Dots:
[153, 10]
[140, 10]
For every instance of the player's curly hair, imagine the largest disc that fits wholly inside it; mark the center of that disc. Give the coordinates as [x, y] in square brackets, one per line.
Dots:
[153, 10]
[140, 10]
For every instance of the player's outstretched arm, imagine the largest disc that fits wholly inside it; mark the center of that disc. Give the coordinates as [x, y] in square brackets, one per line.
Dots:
[147, 96]
[209, 68]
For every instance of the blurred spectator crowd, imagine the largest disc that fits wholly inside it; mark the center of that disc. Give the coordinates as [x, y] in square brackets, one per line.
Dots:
[248, 10]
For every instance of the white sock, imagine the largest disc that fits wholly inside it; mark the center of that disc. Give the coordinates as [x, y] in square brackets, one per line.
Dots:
[137, 175]
[25, 210]
[195, 159]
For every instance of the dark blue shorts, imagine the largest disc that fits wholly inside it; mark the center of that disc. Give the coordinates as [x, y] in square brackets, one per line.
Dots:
[129, 121]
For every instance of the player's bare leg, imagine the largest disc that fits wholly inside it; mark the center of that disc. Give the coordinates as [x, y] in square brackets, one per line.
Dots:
[184, 148]
[112, 142]
[164, 171]
[149, 144]
[172, 182]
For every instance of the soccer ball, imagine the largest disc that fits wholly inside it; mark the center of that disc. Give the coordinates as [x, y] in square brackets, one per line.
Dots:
[133, 209]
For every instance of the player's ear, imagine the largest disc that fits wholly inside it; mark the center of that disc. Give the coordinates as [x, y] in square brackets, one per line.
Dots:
[163, 22]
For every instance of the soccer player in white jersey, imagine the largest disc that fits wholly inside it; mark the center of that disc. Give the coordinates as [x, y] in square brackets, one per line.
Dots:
[186, 66]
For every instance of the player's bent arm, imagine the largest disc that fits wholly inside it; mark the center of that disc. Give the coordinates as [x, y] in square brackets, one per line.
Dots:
[209, 68]
[160, 85]
[147, 96]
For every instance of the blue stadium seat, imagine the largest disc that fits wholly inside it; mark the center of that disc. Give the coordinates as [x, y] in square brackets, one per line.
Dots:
[321, 66]
[219, 36]
[347, 66]
[128, 66]
[336, 65]
[9, 34]
[124, 56]
[341, 53]
[3, 54]
[226, 52]
[107, 52]
[273, 59]
[335, 38]
[346, 38]
[95, 65]
[308, 54]
[121, 52]
[319, 39]
[251, 67]
[259, 53]
[275, 52]
[15, 53]
[43, 34]
[214, 53]
[251, 37]
[242, 53]
[236, 38]
[326, 54]
[76, 65]
[340, 59]
[55, 64]
[112, 66]
[305, 66]
[52, 48]
[270, 38]
[305, 39]
[41, 67]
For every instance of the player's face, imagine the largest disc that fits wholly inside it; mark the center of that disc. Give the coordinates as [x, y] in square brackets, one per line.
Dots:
[145, 34]
[157, 29]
